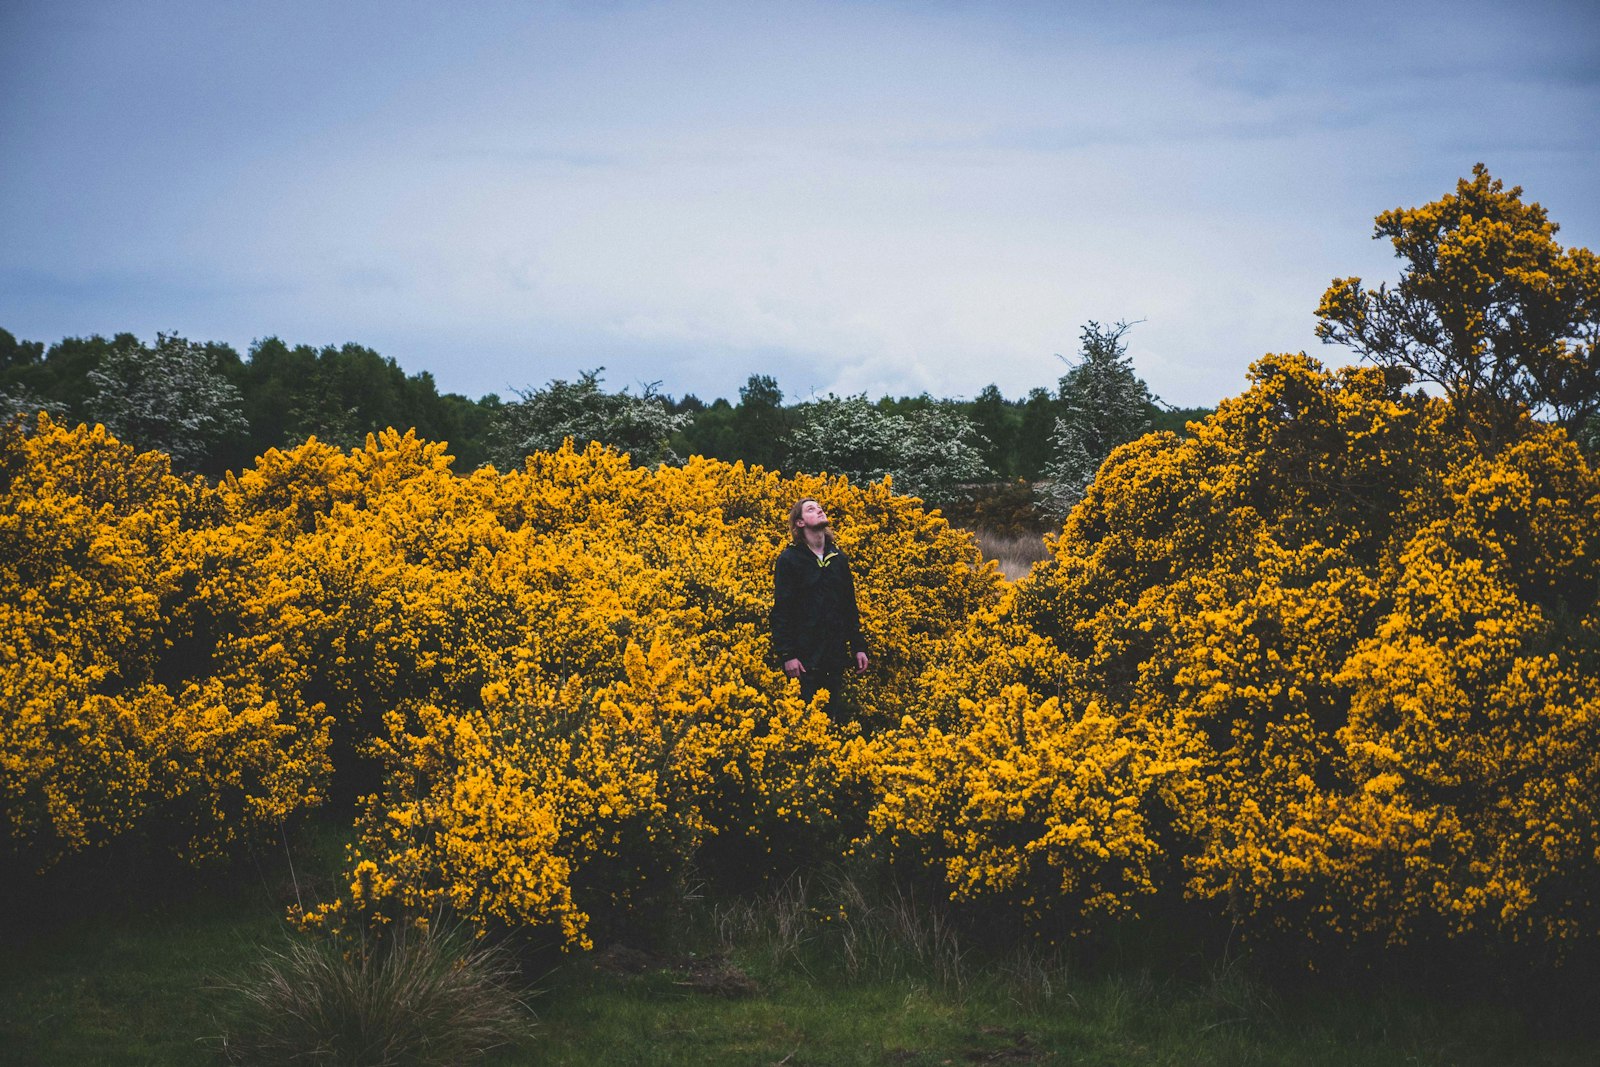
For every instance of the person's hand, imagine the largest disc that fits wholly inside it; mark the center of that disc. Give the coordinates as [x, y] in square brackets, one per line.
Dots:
[793, 668]
[861, 662]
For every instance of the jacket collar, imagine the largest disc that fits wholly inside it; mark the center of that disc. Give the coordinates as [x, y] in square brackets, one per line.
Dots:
[830, 552]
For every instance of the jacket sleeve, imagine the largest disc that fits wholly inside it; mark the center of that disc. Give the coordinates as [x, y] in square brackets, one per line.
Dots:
[784, 637]
[858, 640]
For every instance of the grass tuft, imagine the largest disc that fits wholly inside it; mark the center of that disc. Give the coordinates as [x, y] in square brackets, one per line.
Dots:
[413, 997]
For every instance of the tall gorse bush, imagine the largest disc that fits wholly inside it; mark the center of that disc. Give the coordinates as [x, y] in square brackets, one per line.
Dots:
[132, 713]
[1345, 658]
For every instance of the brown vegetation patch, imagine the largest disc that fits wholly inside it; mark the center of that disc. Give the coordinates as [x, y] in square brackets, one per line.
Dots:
[715, 974]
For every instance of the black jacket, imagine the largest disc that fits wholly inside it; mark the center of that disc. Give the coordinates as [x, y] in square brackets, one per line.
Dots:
[814, 616]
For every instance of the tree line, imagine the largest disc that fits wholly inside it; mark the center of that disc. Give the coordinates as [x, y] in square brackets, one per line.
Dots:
[213, 410]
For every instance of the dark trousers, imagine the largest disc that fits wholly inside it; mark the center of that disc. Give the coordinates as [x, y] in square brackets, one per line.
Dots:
[829, 678]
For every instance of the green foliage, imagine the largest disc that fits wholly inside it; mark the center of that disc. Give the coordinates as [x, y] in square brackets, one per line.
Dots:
[18, 355]
[284, 393]
[760, 423]
[709, 433]
[56, 380]
[1177, 420]
[991, 419]
[833, 972]
[1034, 433]
[339, 395]
[753, 431]
[19, 365]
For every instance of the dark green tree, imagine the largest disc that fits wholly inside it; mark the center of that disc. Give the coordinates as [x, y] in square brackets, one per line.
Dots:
[711, 432]
[21, 378]
[342, 394]
[1033, 435]
[274, 382]
[61, 378]
[1178, 419]
[992, 418]
[760, 422]
[18, 356]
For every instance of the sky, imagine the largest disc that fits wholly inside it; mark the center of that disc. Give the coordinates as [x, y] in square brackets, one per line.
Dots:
[888, 198]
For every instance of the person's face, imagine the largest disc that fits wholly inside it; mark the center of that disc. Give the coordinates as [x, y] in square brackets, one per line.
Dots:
[811, 514]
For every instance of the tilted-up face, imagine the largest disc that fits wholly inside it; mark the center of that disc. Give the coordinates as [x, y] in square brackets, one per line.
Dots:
[811, 514]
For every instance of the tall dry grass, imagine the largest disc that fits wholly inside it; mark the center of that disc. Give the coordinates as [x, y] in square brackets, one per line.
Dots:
[1015, 553]
[829, 919]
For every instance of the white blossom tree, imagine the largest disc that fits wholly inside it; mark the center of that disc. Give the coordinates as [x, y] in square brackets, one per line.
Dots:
[173, 397]
[929, 453]
[939, 453]
[541, 419]
[17, 401]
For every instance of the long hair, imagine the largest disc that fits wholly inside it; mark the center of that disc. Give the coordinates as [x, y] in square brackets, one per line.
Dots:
[794, 521]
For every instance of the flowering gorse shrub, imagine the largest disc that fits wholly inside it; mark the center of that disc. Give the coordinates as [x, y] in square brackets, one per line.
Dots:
[1359, 650]
[117, 719]
[548, 689]
[1025, 801]
[577, 702]
[1327, 666]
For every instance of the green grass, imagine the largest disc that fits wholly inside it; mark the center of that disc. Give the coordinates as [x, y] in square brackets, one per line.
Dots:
[782, 980]
[808, 1011]
[128, 988]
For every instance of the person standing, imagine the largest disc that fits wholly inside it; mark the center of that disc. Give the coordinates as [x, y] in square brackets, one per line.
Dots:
[816, 626]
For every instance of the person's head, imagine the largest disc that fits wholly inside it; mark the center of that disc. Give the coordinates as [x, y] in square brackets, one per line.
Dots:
[806, 513]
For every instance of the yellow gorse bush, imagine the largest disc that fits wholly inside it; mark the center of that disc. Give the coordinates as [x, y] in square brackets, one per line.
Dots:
[1361, 650]
[548, 688]
[1025, 801]
[1326, 664]
[583, 642]
[116, 722]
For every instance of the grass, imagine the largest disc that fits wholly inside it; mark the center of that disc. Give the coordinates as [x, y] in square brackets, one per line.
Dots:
[1015, 554]
[816, 971]
[128, 987]
[432, 996]
[822, 1017]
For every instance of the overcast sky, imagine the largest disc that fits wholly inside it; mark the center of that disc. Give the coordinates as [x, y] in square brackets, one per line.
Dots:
[877, 197]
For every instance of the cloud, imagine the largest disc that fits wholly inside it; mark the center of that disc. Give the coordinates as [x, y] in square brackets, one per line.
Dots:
[867, 197]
